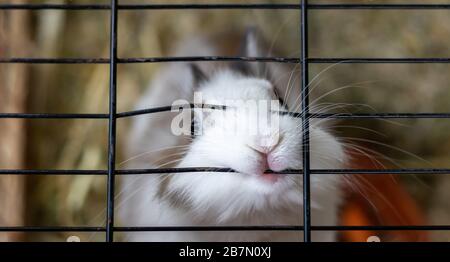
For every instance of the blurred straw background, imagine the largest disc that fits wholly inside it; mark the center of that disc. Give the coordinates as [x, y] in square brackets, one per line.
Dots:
[81, 144]
[12, 99]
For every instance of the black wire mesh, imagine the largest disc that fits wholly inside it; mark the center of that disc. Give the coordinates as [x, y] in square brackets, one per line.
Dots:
[304, 85]
[304, 60]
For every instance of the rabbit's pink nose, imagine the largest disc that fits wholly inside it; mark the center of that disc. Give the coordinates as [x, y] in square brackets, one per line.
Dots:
[269, 163]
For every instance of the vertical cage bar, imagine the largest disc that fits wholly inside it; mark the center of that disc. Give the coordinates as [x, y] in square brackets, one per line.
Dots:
[305, 121]
[112, 122]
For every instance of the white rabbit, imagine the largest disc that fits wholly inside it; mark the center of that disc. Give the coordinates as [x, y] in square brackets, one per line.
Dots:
[248, 196]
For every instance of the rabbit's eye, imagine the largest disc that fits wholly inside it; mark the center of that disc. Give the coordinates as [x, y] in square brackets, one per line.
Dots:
[280, 99]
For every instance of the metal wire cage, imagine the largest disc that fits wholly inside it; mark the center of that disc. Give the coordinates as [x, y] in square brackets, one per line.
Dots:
[304, 60]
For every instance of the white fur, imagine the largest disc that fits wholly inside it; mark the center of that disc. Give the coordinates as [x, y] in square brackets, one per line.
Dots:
[242, 198]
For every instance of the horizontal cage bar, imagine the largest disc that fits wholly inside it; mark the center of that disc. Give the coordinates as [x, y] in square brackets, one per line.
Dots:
[404, 171]
[217, 107]
[218, 6]
[53, 116]
[293, 114]
[51, 229]
[407, 60]
[345, 60]
[39, 60]
[382, 115]
[379, 6]
[211, 228]
[282, 228]
[222, 228]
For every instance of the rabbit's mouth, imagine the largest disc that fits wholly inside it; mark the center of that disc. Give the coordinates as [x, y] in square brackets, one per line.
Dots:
[271, 177]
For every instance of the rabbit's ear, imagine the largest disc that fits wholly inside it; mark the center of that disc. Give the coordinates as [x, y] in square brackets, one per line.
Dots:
[198, 75]
[252, 45]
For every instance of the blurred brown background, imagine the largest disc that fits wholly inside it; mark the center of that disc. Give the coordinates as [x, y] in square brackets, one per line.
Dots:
[81, 144]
